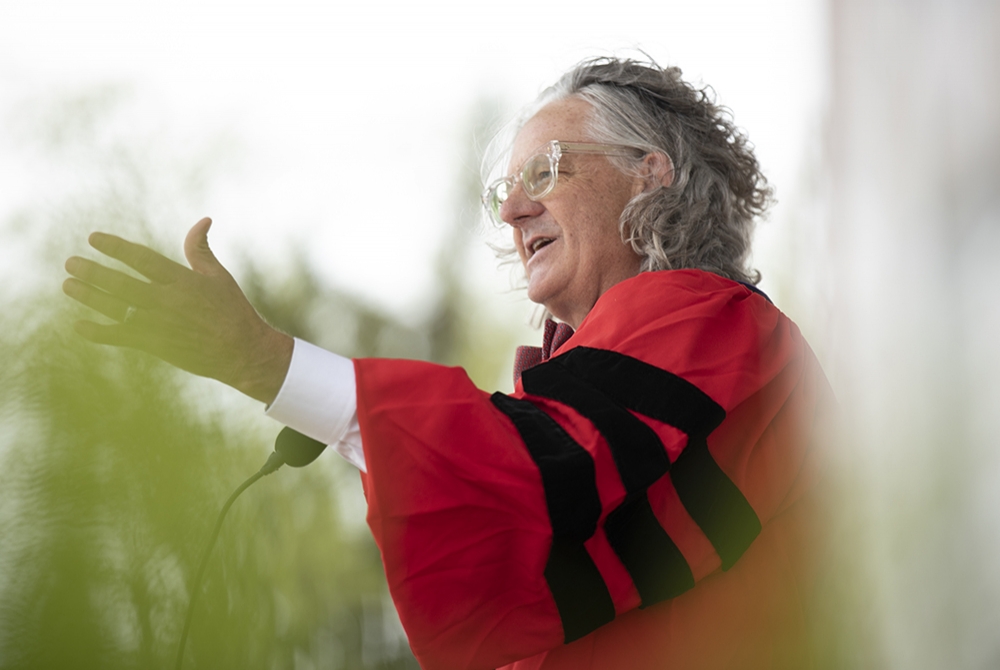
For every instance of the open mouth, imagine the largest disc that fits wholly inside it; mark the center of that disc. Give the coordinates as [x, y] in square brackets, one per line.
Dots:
[539, 244]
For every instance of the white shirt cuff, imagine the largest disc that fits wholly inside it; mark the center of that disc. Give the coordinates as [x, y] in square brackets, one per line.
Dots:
[318, 399]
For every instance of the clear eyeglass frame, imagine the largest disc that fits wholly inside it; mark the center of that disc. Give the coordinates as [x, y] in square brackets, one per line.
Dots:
[540, 172]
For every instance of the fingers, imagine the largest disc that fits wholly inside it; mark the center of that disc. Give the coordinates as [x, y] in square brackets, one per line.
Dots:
[95, 299]
[198, 320]
[142, 259]
[115, 335]
[118, 284]
[197, 252]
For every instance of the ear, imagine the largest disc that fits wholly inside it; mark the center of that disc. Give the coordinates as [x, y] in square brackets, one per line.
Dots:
[658, 170]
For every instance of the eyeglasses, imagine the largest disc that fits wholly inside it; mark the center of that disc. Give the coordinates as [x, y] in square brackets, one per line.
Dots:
[538, 174]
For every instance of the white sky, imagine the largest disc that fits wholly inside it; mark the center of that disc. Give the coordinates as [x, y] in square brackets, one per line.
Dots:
[351, 119]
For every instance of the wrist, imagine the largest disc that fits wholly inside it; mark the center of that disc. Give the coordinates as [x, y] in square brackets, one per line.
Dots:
[264, 372]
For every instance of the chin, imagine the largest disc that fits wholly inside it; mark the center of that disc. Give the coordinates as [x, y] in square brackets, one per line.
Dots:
[538, 294]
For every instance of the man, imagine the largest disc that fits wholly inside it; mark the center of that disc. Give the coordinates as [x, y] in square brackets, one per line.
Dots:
[645, 496]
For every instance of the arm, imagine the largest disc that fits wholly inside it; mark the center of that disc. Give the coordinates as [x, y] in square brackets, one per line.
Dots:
[196, 318]
[512, 525]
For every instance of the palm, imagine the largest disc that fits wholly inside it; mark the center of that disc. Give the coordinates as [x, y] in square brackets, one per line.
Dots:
[197, 319]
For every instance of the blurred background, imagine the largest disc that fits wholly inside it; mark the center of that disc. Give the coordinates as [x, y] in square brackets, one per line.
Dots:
[337, 148]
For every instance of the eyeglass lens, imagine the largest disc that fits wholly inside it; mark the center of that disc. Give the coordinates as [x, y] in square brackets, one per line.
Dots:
[536, 179]
[537, 175]
[496, 197]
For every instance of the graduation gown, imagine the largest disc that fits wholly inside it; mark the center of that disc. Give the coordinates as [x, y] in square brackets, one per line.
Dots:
[642, 500]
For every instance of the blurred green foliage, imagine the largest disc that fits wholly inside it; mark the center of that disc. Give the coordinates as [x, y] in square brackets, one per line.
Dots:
[110, 485]
[113, 466]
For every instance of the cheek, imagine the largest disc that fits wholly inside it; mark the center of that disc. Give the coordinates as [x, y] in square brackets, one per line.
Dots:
[519, 243]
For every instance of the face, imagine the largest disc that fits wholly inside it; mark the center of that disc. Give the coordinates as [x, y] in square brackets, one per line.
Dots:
[569, 241]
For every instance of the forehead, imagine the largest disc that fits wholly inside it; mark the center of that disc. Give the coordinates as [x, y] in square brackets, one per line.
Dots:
[564, 120]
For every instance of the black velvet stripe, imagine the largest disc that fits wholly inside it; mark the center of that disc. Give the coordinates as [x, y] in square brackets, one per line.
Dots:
[646, 389]
[709, 496]
[714, 502]
[574, 506]
[637, 451]
[567, 469]
[581, 597]
[657, 567]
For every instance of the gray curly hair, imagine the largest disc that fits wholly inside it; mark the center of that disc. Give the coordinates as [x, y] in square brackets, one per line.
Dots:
[705, 218]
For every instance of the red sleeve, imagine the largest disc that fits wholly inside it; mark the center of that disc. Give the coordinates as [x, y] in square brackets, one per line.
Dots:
[458, 511]
[500, 519]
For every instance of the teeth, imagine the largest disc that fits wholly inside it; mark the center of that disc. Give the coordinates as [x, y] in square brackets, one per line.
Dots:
[538, 244]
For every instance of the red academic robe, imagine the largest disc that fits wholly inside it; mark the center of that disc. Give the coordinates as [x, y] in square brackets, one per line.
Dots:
[642, 500]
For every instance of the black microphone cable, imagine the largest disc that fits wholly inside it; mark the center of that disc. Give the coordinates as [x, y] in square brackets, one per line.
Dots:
[292, 448]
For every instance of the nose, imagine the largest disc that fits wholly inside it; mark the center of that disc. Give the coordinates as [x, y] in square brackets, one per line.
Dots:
[518, 207]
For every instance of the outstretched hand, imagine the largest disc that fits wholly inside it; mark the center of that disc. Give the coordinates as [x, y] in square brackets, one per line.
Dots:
[197, 319]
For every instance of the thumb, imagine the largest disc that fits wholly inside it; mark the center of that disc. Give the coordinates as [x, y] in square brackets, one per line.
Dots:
[197, 252]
